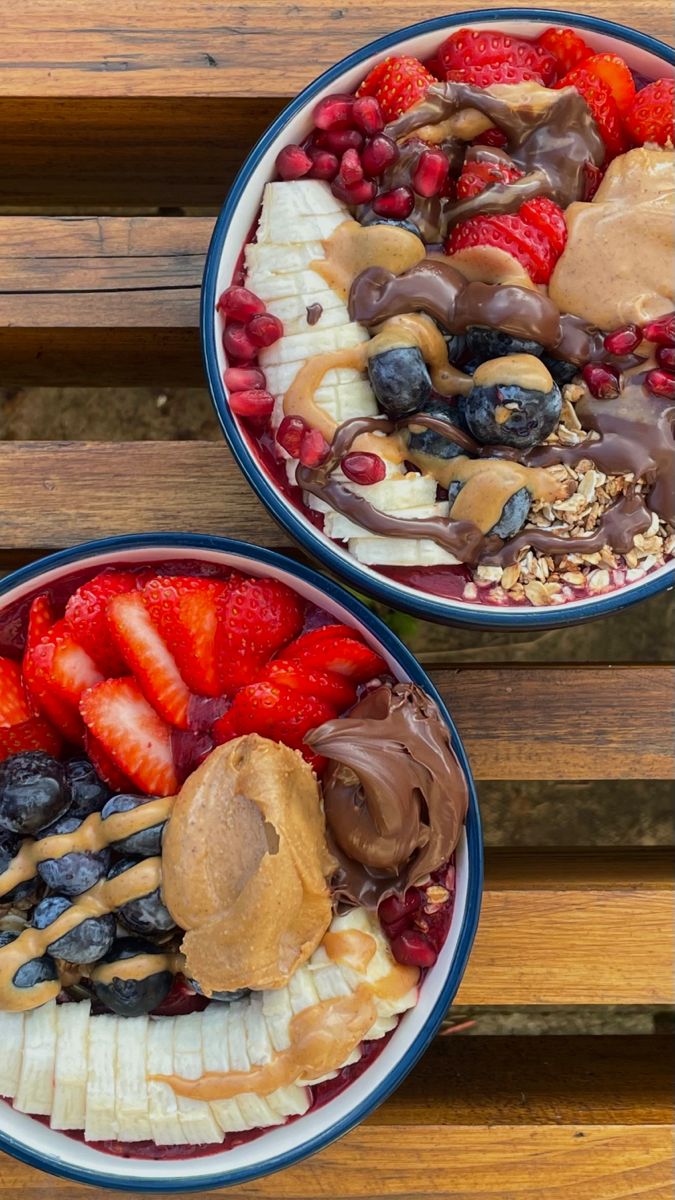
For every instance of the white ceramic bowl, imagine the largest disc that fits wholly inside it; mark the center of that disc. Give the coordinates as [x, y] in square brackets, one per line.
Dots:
[645, 55]
[33, 1142]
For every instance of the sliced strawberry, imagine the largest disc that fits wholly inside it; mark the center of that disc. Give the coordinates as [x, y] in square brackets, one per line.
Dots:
[650, 116]
[613, 71]
[149, 658]
[353, 659]
[72, 669]
[546, 216]
[186, 610]
[132, 734]
[314, 638]
[469, 49]
[19, 728]
[397, 84]
[105, 766]
[566, 46]
[88, 621]
[511, 234]
[491, 137]
[280, 713]
[311, 681]
[40, 620]
[46, 696]
[476, 176]
[223, 730]
[603, 108]
[259, 616]
[498, 72]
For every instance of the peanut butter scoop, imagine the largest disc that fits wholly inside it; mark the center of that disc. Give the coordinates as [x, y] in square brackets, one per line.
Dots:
[245, 863]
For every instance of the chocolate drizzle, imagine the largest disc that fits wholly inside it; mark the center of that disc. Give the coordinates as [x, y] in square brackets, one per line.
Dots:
[314, 312]
[395, 795]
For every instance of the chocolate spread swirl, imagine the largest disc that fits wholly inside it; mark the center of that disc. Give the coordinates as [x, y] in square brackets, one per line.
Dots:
[395, 795]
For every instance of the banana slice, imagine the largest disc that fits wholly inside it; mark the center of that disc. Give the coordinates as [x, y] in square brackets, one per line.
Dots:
[286, 1101]
[337, 526]
[286, 259]
[379, 965]
[70, 1065]
[35, 1088]
[400, 552]
[307, 286]
[276, 1006]
[132, 1104]
[216, 1057]
[195, 1116]
[165, 1123]
[256, 1110]
[11, 1040]
[100, 1118]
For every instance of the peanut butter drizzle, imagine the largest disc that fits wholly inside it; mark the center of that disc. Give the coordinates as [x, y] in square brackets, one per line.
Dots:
[406, 329]
[322, 1037]
[105, 897]
[352, 248]
[141, 966]
[521, 370]
[351, 947]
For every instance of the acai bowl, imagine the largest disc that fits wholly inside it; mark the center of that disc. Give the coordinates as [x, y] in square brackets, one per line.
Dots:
[430, 366]
[240, 862]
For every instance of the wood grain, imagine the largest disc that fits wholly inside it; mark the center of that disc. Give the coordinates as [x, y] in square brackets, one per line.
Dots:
[432, 1162]
[200, 48]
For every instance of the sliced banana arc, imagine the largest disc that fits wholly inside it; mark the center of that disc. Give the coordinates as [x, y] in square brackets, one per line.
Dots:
[95, 1073]
[296, 217]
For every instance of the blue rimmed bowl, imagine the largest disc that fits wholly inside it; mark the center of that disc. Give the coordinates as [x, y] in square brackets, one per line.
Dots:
[645, 55]
[32, 1141]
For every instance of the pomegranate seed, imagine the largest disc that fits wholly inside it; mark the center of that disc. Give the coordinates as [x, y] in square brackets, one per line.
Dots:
[398, 203]
[265, 329]
[237, 343]
[665, 357]
[661, 383]
[339, 140]
[602, 381]
[242, 379]
[661, 331]
[334, 110]
[412, 949]
[430, 173]
[253, 403]
[378, 154]
[592, 178]
[623, 341]
[293, 162]
[395, 907]
[324, 165]
[290, 434]
[240, 304]
[364, 468]
[351, 170]
[313, 449]
[367, 115]
[491, 137]
[358, 193]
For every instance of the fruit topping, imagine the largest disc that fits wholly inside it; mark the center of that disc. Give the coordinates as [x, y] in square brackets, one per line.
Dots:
[510, 414]
[86, 943]
[362, 467]
[145, 915]
[290, 434]
[471, 50]
[255, 403]
[566, 46]
[602, 380]
[37, 970]
[513, 515]
[239, 303]
[613, 71]
[413, 949]
[237, 342]
[264, 329]
[87, 617]
[509, 233]
[19, 728]
[124, 995]
[33, 792]
[187, 611]
[104, 765]
[431, 173]
[378, 154]
[431, 441]
[258, 617]
[281, 713]
[76, 871]
[351, 170]
[477, 175]
[336, 689]
[397, 84]
[314, 448]
[623, 341]
[324, 164]
[293, 162]
[650, 117]
[146, 843]
[603, 106]
[132, 733]
[661, 383]
[88, 793]
[338, 140]
[546, 216]
[483, 342]
[400, 380]
[149, 658]
[665, 357]
[353, 193]
[488, 74]
[661, 330]
[335, 110]
[397, 203]
[367, 115]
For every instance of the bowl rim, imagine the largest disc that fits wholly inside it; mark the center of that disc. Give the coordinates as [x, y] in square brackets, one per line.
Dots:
[412, 600]
[474, 843]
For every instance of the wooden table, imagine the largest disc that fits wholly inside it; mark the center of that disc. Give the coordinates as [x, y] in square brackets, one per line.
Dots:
[149, 104]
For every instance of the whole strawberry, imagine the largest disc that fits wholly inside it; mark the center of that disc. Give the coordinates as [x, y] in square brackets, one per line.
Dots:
[397, 84]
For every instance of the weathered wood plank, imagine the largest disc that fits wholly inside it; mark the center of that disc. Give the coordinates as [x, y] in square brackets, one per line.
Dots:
[432, 1162]
[199, 48]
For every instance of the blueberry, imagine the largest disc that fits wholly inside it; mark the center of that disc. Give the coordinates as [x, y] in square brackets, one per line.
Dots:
[514, 512]
[147, 842]
[456, 344]
[409, 225]
[23, 893]
[400, 380]
[33, 792]
[76, 871]
[533, 417]
[88, 793]
[223, 997]
[146, 914]
[133, 997]
[430, 442]
[483, 343]
[38, 970]
[562, 372]
[86, 943]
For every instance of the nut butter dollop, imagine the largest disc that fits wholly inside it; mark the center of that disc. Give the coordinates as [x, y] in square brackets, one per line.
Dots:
[245, 862]
[395, 794]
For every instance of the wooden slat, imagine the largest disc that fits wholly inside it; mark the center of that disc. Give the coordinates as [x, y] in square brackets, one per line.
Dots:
[432, 1162]
[198, 48]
